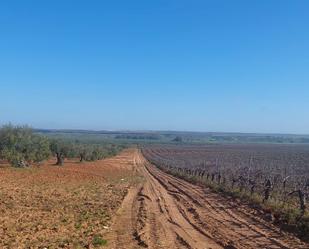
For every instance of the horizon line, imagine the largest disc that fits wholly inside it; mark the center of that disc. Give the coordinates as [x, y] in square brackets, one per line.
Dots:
[172, 131]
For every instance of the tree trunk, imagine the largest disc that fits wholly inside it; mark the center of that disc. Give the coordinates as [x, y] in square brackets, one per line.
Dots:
[302, 201]
[252, 189]
[81, 157]
[59, 159]
[267, 190]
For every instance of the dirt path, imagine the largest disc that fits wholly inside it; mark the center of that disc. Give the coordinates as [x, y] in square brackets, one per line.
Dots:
[166, 212]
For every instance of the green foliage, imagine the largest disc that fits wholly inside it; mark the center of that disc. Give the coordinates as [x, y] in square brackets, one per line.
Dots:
[62, 149]
[99, 241]
[90, 152]
[21, 147]
[85, 151]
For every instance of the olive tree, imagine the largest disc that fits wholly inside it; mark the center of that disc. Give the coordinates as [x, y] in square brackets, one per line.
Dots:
[21, 147]
[60, 149]
[82, 151]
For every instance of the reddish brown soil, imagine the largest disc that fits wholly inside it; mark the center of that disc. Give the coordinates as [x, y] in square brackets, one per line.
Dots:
[67, 207]
[166, 212]
[62, 207]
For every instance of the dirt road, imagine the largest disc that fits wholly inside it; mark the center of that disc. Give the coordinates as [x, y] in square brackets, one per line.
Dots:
[166, 212]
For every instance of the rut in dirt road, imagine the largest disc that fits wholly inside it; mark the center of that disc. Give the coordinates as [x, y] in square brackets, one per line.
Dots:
[166, 212]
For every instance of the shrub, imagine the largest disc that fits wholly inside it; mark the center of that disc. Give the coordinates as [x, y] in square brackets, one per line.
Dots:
[99, 241]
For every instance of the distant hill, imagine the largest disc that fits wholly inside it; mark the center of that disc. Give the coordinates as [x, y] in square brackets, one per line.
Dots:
[184, 136]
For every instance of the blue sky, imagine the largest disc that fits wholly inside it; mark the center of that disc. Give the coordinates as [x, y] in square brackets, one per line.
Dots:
[156, 65]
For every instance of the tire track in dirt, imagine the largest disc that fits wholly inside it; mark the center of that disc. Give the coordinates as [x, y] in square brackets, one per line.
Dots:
[167, 212]
[223, 216]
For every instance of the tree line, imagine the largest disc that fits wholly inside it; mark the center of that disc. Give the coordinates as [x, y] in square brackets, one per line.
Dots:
[21, 147]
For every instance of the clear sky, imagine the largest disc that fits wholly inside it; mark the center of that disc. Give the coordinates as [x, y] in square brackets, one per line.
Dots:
[156, 65]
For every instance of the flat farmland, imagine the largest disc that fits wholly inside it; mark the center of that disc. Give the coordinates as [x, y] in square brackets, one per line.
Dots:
[293, 158]
[62, 207]
[286, 166]
[127, 202]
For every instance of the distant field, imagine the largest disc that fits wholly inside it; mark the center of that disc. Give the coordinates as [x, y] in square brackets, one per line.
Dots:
[174, 137]
[292, 160]
[62, 207]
